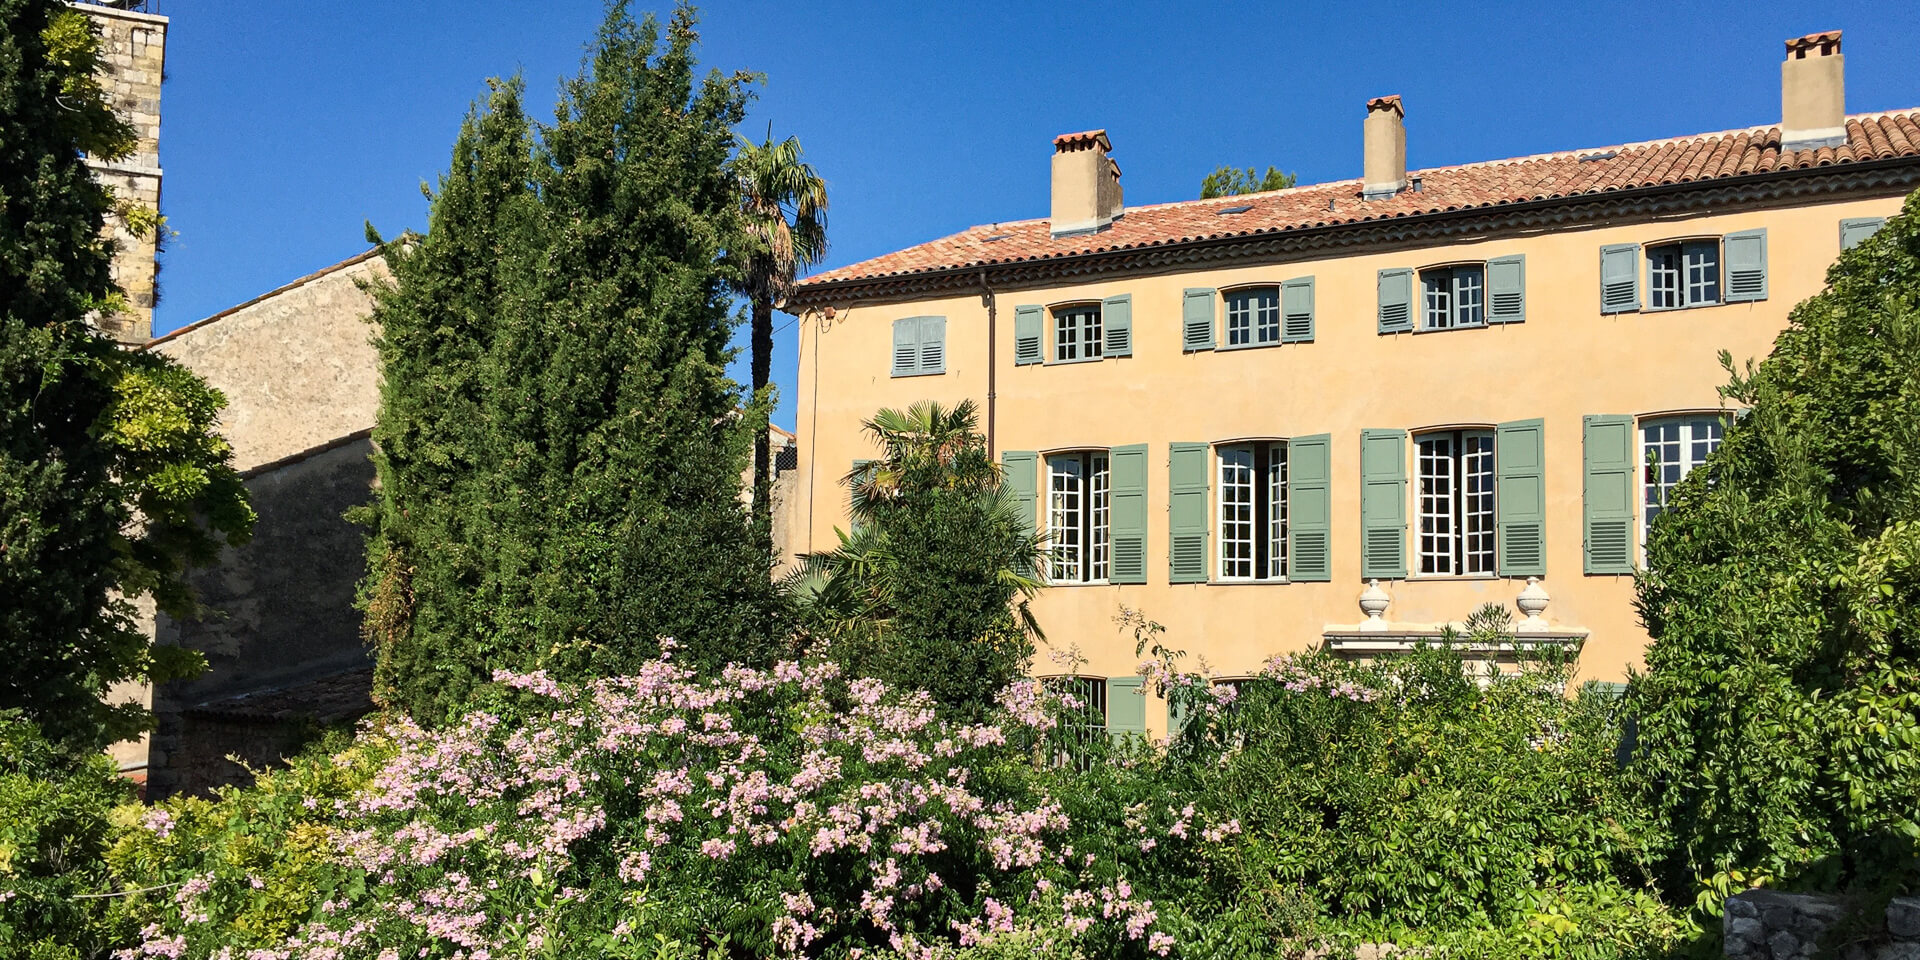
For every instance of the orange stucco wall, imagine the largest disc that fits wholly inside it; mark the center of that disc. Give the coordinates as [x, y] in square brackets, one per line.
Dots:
[1566, 361]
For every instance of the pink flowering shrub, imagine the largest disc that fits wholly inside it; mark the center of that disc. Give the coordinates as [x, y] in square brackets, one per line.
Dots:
[789, 812]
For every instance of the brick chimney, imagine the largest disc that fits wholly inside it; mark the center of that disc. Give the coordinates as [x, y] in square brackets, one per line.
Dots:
[1086, 183]
[1385, 151]
[1813, 93]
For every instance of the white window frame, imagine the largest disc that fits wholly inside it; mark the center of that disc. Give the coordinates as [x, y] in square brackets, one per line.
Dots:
[1453, 297]
[1696, 276]
[1256, 311]
[1079, 505]
[1077, 332]
[1695, 437]
[1466, 507]
[1255, 487]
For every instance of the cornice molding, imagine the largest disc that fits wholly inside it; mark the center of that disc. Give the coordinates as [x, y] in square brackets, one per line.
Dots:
[1774, 189]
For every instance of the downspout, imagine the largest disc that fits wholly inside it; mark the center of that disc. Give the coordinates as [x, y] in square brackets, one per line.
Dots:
[993, 356]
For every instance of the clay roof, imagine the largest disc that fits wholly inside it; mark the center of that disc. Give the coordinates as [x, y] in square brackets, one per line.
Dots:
[1704, 157]
[1083, 138]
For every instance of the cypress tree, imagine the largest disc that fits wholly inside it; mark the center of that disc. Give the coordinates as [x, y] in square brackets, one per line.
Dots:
[560, 452]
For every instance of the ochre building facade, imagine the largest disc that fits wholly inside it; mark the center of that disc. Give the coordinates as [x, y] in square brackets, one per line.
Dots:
[1349, 414]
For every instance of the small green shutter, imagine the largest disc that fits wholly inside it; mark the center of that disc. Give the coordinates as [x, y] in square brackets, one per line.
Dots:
[1128, 466]
[1520, 498]
[906, 346]
[1116, 326]
[1176, 720]
[1507, 289]
[1196, 320]
[1126, 708]
[1857, 229]
[1027, 324]
[1309, 510]
[1608, 493]
[1619, 278]
[1187, 513]
[933, 344]
[1296, 310]
[1746, 266]
[1383, 503]
[1019, 474]
[1396, 300]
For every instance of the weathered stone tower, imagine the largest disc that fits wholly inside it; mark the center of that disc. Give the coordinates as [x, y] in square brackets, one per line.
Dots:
[133, 47]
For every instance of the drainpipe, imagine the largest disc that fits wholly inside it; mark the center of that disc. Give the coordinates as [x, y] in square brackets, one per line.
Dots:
[993, 356]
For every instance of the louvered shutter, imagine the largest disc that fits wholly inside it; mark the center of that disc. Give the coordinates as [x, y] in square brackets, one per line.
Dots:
[1396, 300]
[1520, 498]
[1607, 493]
[1128, 490]
[1187, 513]
[1855, 230]
[1019, 474]
[1619, 278]
[1116, 326]
[1126, 708]
[906, 346]
[1296, 310]
[1028, 323]
[1507, 289]
[1196, 320]
[1309, 509]
[933, 345]
[1746, 254]
[1383, 504]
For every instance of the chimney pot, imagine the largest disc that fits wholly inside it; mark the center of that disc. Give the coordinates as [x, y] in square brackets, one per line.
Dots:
[1384, 149]
[1813, 100]
[1086, 184]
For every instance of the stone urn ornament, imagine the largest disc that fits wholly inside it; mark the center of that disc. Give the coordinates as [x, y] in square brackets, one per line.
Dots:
[1373, 603]
[1532, 601]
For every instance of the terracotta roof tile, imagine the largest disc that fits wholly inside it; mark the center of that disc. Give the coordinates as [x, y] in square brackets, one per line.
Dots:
[1878, 136]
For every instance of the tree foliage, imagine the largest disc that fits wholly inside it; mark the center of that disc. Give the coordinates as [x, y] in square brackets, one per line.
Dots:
[559, 448]
[1226, 181]
[112, 481]
[930, 589]
[1779, 718]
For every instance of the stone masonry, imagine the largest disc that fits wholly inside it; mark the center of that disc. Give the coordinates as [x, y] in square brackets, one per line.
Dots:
[133, 47]
[1769, 925]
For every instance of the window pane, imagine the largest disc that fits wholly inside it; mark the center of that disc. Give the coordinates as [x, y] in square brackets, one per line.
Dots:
[1663, 276]
[1469, 296]
[1277, 512]
[1266, 307]
[1437, 528]
[1239, 318]
[1064, 520]
[1236, 513]
[1066, 336]
[1090, 340]
[1438, 285]
[1703, 272]
[1102, 516]
[1476, 477]
[1660, 451]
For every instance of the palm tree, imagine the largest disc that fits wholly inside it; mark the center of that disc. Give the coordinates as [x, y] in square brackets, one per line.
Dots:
[784, 204]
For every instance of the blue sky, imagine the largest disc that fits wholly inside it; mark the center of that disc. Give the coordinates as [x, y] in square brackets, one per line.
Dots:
[288, 125]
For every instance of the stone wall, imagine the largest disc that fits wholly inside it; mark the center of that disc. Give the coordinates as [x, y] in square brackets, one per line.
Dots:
[1768, 925]
[133, 49]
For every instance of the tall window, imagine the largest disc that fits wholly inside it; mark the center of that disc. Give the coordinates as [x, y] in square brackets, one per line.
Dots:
[1076, 332]
[1454, 296]
[1683, 274]
[1085, 721]
[1456, 502]
[1253, 316]
[1671, 447]
[1079, 508]
[1253, 511]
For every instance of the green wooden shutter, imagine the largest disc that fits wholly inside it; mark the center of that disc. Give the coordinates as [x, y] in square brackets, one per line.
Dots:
[1520, 498]
[1507, 289]
[1608, 493]
[1196, 320]
[1383, 503]
[1746, 253]
[1309, 509]
[1028, 323]
[1126, 708]
[906, 346]
[1128, 489]
[1619, 278]
[1187, 513]
[1857, 229]
[933, 344]
[1020, 476]
[1176, 720]
[1396, 300]
[1116, 326]
[1296, 310]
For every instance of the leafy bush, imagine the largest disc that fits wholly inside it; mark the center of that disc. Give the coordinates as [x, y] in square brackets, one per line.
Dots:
[1779, 718]
[56, 820]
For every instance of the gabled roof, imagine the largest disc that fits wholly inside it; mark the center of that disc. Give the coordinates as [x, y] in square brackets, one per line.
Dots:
[1490, 184]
